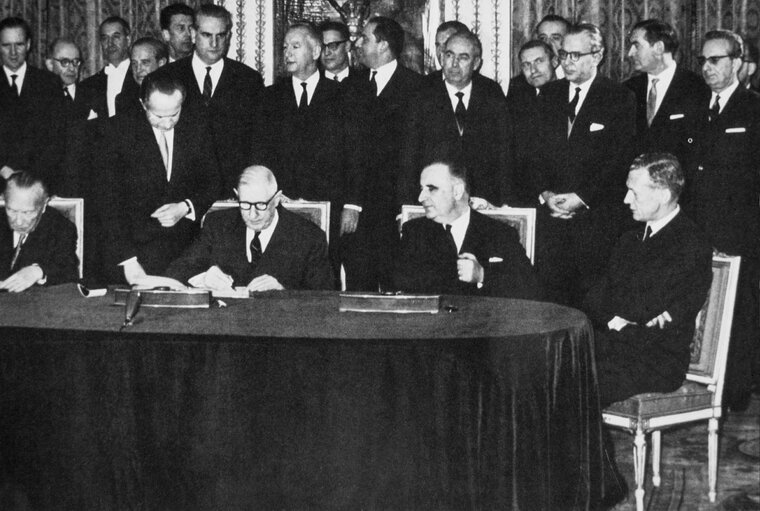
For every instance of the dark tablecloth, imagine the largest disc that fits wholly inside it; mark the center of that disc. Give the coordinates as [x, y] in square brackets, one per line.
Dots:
[282, 402]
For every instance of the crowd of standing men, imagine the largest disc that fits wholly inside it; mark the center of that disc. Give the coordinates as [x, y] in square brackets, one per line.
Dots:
[166, 127]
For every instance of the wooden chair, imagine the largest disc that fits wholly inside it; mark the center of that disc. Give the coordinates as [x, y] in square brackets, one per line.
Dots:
[73, 209]
[316, 212]
[699, 398]
[522, 219]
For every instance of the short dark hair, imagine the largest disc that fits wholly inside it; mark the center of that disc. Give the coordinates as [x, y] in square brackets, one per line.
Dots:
[163, 83]
[735, 42]
[554, 18]
[469, 37]
[116, 19]
[658, 31]
[25, 180]
[664, 171]
[165, 18]
[60, 40]
[337, 26]
[213, 11]
[536, 43]
[160, 50]
[457, 26]
[387, 29]
[14, 22]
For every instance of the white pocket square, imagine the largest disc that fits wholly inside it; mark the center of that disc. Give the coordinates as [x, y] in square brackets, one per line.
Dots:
[596, 127]
[736, 130]
[673, 117]
[495, 260]
[92, 115]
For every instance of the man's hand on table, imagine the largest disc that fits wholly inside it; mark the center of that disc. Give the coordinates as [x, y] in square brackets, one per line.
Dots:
[265, 283]
[23, 279]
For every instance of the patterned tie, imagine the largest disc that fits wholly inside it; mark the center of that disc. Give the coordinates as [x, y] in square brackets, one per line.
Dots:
[460, 112]
[573, 103]
[207, 86]
[715, 109]
[17, 251]
[304, 101]
[255, 249]
[14, 87]
[652, 101]
[373, 83]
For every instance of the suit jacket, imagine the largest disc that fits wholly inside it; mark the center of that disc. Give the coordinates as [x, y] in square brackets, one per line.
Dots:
[671, 271]
[314, 153]
[135, 185]
[428, 260]
[233, 114]
[80, 138]
[723, 175]
[30, 125]
[679, 111]
[431, 134]
[96, 90]
[52, 245]
[296, 254]
[492, 86]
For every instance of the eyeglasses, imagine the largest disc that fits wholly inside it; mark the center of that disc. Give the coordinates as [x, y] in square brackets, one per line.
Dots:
[574, 56]
[334, 45]
[712, 60]
[258, 206]
[69, 62]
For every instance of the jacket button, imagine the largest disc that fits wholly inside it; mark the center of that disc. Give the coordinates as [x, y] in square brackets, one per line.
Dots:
[690, 140]
[700, 168]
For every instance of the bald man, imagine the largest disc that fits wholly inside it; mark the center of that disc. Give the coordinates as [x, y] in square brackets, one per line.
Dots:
[258, 245]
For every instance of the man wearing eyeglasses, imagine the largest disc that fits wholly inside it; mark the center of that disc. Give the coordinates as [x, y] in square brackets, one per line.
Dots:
[30, 108]
[258, 245]
[158, 178]
[586, 126]
[336, 45]
[668, 96]
[723, 193]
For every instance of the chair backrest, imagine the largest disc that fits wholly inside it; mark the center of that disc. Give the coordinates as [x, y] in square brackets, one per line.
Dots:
[73, 209]
[317, 212]
[709, 348]
[523, 220]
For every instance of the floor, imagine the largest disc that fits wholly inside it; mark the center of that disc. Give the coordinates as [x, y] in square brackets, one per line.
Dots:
[684, 466]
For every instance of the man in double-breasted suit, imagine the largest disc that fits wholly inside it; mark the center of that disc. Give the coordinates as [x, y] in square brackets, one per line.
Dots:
[459, 120]
[586, 127]
[160, 177]
[723, 194]
[669, 98]
[227, 93]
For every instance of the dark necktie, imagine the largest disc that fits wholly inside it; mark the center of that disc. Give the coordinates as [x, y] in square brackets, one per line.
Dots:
[207, 86]
[373, 83]
[256, 249]
[450, 237]
[647, 233]
[304, 101]
[652, 101]
[14, 87]
[67, 94]
[715, 109]
[460, 112]
[335, 77]
[17, 251]
[573, 103]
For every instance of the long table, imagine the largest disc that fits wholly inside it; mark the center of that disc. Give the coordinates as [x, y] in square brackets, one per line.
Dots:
[282, 402]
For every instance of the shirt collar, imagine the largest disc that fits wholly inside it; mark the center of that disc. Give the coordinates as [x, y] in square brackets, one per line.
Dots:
[665, 76]
[459, 228]
[657, 225]
[384, 74]
[585, 86]
[264, 237]
[311, 84]
[121, 69]
[342, 74]
[20, 75]
[467, 90]
[725, 94]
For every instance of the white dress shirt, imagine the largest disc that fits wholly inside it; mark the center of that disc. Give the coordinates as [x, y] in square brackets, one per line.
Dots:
[20, 75]
[115, 76]
[657, 225]
[384, 74]
[341, 75]
[459, 228]
[199, 70]
[725, 94]
[264, 237]
[467, 91]
[311, 85]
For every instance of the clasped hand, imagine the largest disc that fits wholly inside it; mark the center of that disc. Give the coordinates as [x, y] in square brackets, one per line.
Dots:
[469, 269]
[617, 323]
[563, 205]
[169, 214]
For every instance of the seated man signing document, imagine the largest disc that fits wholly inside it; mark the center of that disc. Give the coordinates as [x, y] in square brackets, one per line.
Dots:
[259, 245]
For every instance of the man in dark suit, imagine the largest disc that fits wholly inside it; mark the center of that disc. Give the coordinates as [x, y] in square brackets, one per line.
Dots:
[30, 108]
[381, 94]
[226, 92]
[306, 111]
[552, 30]
[115, 77]
[146, 55]
[260, 246]
[750, 62]
[455, 249]
[644, 307]
[586, 126]
[668, 97]
[177, 20]
[336, 45]
[160, 178]
[37, 244]
[460, 121]
[723, 194]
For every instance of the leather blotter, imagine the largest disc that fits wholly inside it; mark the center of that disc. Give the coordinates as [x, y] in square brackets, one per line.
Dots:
[189, 299]
[399, 304]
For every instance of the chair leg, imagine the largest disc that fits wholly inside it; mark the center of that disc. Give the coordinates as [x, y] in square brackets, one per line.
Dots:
[712, 457]
[656, 458]
[639, 465]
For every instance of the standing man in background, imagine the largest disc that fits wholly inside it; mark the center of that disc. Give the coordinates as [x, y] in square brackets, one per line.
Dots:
[177, 21]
